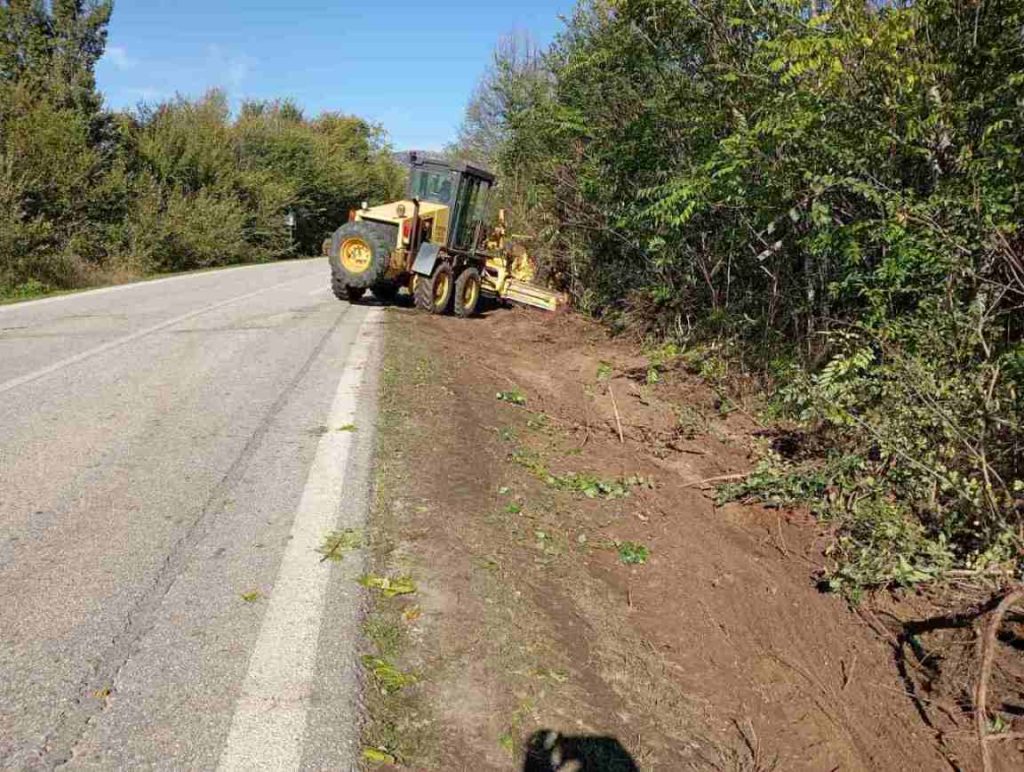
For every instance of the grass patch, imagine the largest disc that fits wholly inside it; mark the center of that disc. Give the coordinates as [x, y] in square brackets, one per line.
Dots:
[26, 291]
[385, 634]
[632, 553]
[400, 728]
[538, 422]
[512, 396]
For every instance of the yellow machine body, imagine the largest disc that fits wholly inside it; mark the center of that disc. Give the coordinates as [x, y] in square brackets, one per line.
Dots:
[433, 226]
[505, 272]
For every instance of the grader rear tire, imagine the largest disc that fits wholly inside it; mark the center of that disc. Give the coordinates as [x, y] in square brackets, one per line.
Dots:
[343, 292]
[434, 292]
[360, 252]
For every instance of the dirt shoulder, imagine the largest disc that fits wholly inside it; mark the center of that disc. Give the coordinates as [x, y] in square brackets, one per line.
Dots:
[551, 503]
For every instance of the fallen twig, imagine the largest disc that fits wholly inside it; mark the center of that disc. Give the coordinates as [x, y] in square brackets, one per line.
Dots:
[847, 672]
[586, 419]
[782, 539]
[720, 478]
[986, 651]
[618, 420]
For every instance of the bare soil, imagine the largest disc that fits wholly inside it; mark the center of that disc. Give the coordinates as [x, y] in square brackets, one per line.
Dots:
[718, 652]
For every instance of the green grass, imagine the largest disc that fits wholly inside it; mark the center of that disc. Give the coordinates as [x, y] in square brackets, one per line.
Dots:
[632, 553]
[512, 396]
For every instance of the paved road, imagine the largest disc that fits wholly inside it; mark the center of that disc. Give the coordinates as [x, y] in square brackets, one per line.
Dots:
[166, 447]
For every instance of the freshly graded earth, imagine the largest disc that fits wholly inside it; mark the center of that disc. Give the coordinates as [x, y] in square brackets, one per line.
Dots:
[553, 502]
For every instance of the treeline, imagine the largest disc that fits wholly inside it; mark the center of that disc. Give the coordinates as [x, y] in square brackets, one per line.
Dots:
[89, 196]
[826, 194]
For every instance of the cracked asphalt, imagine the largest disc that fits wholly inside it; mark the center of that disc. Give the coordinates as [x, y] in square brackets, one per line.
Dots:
[156, 440]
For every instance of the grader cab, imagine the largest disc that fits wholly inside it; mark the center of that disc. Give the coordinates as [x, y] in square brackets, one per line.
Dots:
[435, 243]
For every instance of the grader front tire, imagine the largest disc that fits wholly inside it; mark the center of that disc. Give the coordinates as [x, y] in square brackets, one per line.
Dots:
[434, 292]
[467, 293]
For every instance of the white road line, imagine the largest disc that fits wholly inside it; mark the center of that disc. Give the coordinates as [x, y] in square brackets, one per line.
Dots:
[270, 716]
[131, 285]
[21, 380]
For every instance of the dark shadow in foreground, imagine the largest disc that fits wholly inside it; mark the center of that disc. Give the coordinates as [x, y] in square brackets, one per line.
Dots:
[548, 751]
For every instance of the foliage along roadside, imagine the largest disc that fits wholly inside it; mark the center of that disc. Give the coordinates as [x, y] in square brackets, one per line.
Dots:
[828, 195]
[88, 195]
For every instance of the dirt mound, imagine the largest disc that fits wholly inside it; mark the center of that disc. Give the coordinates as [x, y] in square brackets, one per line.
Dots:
[554, 499]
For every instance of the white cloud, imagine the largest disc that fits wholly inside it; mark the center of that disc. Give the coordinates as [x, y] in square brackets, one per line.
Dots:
[228, 69]
[118, 56]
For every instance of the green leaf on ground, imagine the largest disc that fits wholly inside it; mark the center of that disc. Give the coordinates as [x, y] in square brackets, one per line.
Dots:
[512, 396]
[402, 585]
[378, 756]
[251, 596]
[389, 678]
[337, 543]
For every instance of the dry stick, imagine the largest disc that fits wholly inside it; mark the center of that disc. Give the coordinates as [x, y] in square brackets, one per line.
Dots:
[586, 418]
[986, 645]
[618, 421]
[721, 478]
[848, 672]
[782, 539]
[1006, 736]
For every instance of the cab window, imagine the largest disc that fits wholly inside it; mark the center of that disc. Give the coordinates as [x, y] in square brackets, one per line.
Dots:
[431, 186]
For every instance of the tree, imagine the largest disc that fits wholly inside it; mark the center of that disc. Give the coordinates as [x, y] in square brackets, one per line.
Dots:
[56, 177]
[829, 194]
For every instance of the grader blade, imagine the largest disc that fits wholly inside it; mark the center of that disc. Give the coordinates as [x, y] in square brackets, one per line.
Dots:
[531, 295]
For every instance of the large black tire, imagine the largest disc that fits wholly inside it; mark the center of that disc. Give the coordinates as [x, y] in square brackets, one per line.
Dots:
[385, 291]
[360, 252]
[434, 293]
[341, 292]
[467, 293]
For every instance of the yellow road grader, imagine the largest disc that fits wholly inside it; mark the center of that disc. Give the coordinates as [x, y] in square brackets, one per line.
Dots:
[434, 242]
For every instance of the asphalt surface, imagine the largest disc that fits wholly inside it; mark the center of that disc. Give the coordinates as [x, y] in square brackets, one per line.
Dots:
[159, 443]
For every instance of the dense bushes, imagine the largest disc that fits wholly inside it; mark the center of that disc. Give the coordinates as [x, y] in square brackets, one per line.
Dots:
[829, 193]
[88, 196]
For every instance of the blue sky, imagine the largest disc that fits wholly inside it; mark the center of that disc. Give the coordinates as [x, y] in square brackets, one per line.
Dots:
[410, 66]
